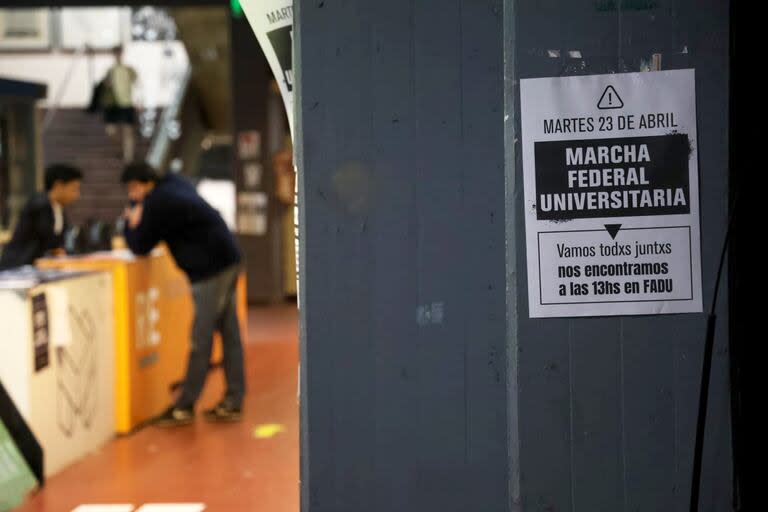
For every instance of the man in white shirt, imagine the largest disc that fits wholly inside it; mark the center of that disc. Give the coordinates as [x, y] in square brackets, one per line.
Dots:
[120, 112]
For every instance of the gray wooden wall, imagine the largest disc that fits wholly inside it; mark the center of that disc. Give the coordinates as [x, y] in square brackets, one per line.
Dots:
[402, 158]
[425, 386]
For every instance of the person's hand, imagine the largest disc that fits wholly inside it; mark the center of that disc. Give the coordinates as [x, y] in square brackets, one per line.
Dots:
[133, 215]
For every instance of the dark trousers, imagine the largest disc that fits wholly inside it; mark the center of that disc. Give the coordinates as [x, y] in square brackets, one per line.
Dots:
[215, 310]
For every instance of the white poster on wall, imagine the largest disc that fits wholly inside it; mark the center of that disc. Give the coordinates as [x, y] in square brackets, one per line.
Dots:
[252, 213]
[611, 183]
[272, 22]
[220, 194]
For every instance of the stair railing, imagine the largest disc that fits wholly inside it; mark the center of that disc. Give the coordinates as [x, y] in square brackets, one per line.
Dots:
[169, 126]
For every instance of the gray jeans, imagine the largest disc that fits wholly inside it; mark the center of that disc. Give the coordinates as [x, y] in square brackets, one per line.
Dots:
[215, 310]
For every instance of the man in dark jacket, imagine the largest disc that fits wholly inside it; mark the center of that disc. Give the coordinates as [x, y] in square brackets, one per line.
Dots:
[169, 209]
[42, 223]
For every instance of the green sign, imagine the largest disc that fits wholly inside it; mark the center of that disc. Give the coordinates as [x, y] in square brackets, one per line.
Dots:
[237, 9]
[16, 479]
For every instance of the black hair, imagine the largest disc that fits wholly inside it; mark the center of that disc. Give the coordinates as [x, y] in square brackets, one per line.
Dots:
[141, 172]
[61, 172]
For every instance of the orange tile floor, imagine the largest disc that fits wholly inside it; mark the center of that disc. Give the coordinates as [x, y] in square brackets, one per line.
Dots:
[229, 468]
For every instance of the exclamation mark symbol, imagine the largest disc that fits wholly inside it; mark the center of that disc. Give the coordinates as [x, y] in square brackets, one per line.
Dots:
[610, 99]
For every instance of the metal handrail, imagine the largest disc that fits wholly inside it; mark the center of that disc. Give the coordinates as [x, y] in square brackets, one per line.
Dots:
[168, 127]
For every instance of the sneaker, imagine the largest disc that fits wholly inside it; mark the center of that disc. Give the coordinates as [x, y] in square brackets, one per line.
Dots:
[175, 417]
[224, 412]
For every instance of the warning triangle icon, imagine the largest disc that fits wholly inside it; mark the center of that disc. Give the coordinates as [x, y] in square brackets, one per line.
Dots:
[610, 99]
[613, 229]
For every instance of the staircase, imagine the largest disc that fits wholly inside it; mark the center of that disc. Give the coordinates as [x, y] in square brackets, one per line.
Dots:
[78, 138]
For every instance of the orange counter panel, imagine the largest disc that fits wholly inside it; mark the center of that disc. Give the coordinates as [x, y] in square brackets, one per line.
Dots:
[153, 313]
